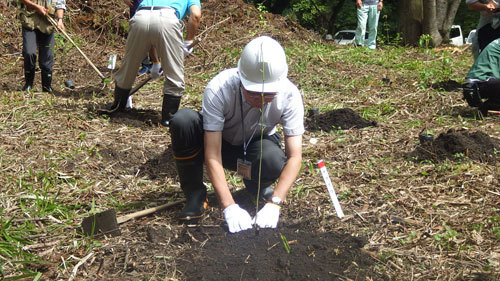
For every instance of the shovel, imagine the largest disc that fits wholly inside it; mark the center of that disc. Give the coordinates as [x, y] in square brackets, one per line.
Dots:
[106, 222]
[111, 67]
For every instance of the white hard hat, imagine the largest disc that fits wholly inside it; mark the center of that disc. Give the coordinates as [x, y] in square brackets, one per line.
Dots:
[262, 65]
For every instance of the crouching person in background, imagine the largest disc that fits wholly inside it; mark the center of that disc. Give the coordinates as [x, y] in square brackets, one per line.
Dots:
[482, 87]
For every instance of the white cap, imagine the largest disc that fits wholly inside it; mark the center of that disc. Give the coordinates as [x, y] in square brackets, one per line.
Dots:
[262, 65]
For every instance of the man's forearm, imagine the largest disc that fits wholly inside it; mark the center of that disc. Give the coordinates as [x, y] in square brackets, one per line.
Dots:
[59, 13]
[31, 4]
[193, 22]
[477, 6]
[288, 176]
[216, 174]
[215, 169]
[153, 55]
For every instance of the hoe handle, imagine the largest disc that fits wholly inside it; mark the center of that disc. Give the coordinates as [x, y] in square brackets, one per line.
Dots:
[140, 85]
[146, 212]
[53, 22]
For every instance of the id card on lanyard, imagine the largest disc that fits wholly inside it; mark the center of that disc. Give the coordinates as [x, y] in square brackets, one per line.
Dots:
[243, 166]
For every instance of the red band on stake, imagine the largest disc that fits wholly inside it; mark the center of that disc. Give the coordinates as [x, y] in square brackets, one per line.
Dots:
[329, 187]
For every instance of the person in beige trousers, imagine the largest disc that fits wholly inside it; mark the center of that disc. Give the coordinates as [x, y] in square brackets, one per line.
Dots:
[157, 23]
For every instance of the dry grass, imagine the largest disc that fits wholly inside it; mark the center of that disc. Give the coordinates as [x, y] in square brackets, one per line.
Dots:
[60, 161]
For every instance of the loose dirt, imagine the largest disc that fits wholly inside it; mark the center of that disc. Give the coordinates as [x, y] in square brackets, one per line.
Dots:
[344, 119]
[262, 255]
[396, 218]
[457, 145]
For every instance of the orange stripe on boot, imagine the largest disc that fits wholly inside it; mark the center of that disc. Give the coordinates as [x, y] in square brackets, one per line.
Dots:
[188, 157]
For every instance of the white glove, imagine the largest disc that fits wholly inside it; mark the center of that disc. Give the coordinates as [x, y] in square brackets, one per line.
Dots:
[156, 70]
[237, 219]
[268, 216]
[185, 48]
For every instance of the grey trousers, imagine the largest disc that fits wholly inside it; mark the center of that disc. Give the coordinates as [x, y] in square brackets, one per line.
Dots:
[160, 29]
[186, 133]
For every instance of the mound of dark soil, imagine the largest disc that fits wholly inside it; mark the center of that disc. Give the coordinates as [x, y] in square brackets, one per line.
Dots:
[344, 118]
[449, 86]
[263, 256]
[456, 145]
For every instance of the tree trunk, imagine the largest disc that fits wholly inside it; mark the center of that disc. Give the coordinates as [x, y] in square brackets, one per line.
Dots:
[410, 24]
[430, 21]
[333, 17]
[433, 17]
[449, 18]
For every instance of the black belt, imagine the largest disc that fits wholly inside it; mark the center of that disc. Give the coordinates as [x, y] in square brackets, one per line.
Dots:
[153, 8]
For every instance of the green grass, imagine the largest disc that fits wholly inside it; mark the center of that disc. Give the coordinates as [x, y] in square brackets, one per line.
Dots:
[53, 171]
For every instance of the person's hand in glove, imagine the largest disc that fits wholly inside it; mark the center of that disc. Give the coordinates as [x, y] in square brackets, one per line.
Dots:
[186, 48]
[237, 219]
[268, 216]
[156, 70]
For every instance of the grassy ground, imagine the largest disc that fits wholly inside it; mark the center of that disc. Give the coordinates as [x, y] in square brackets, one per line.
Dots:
[60, 161]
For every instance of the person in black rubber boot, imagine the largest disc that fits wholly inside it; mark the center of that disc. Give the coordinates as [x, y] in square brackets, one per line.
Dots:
[482, 87]
[39, 32]
[120, 100]
[236, 130]
[158, 24]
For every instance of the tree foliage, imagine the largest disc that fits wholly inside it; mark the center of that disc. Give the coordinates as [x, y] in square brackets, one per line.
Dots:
[324, 16]
[433, 17]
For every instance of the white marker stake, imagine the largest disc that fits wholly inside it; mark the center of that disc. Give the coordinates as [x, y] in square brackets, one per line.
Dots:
[329, 187]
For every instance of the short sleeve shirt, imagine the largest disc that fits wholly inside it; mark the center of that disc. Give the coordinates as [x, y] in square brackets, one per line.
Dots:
[224, 104]
[181, 7]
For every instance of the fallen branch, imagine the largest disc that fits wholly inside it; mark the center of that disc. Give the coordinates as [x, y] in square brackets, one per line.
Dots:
[75, 269]
[212, 26]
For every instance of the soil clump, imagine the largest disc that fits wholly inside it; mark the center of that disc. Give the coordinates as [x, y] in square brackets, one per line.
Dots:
[249, 255]
[456, 145]
[344, 118]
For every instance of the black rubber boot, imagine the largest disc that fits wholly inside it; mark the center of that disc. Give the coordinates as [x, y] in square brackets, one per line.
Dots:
[29, 77]
[472, 95]
[46, 81]
[121, 97]
[191, 177]
[169, 107]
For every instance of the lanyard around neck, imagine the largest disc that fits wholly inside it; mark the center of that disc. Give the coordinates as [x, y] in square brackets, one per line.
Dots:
[245, 144]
